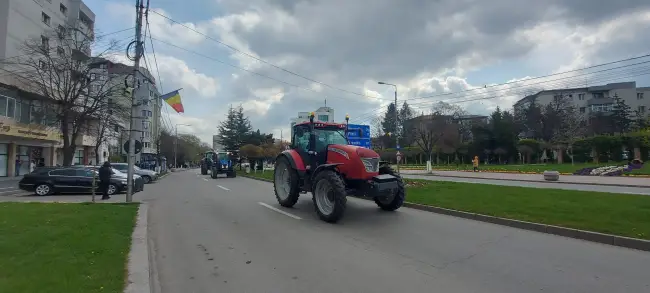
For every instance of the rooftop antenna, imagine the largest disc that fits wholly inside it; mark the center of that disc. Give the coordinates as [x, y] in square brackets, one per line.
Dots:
[325, 102]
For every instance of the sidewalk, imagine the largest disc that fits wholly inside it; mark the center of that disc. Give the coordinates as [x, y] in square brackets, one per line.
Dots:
[567, 179]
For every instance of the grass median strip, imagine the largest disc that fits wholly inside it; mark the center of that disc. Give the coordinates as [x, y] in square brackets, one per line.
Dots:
[619, 214]
[57, 247]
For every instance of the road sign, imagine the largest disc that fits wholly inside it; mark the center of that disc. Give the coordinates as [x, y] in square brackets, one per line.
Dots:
[138, 146]
[362, 140]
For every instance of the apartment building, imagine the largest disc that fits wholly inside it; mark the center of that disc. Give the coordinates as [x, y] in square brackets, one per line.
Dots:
[28, 130]
[323, 114]
[594, 99]
[147, 110]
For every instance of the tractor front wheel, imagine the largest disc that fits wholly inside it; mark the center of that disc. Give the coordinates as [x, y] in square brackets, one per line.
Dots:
[396, 200]
[204, 170]
[285, 183]
[232, 174]
[213, 174]
[329, 196]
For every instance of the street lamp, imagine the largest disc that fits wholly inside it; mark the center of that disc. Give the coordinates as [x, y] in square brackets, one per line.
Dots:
[176, 140]
[396, 132]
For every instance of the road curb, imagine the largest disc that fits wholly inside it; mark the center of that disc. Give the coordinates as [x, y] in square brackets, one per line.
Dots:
[138, 264]
[533, 181]
[615, 240]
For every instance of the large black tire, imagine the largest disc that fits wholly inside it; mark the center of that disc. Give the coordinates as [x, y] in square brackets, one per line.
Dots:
[204, 170]
[398, 200]
[337, 196]
[232, 174]
[291, 197]
[213, 174]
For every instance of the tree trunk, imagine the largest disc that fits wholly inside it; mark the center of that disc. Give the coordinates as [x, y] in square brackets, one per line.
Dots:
[637, 153]
[97, 155]
[560, 156]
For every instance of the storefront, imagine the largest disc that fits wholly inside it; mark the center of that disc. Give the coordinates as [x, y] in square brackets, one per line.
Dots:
[20, 145]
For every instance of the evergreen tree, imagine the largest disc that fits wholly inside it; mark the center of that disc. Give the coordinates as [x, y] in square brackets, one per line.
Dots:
[389, 126]
[234, 129]
[406, 128]
[621, 115]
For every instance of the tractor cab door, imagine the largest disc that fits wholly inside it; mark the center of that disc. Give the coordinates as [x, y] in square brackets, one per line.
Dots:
[300, 143]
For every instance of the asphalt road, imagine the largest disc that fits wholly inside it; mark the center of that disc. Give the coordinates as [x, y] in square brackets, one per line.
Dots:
[230, 235]
[585, 187]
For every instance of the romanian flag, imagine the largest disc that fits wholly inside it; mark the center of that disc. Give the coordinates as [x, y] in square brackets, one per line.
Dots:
[173, 99]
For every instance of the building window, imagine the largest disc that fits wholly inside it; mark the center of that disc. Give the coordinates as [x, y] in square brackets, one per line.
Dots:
[145, 124]
[147, 144]
[45, 18]
[102, 66]
[63, 9]
[598, 95]
[78, 157]
[144, 113]
[60, 31]
[323, 118]
[639, 96]
[582, 109]
[45, 42]
[7, 107]
[641, 109]
[149, 113]
[581, 97]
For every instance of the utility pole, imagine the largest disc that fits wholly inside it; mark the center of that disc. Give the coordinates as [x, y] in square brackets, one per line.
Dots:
[396, 121]
[139, 9]
[175, 144]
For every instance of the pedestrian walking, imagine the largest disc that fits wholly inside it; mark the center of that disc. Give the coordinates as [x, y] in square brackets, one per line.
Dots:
[475, 163]
[105, 173]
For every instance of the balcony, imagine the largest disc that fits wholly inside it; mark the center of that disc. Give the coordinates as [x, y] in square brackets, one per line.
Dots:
[85, 140]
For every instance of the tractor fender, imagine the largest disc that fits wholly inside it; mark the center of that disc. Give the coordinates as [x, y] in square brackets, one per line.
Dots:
[323, 167]
[294, 159]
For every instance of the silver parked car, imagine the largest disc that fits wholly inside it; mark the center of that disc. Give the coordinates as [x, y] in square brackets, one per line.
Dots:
[147, 175]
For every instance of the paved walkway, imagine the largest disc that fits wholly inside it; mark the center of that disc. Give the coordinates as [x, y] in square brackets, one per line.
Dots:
[571, 179]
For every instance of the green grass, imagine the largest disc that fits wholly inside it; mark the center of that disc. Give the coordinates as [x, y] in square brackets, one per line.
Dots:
[264, 175]
[56, 247]
[532, 168]
[619, 214]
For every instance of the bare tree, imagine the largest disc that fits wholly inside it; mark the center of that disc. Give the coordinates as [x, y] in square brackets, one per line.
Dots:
[446, 109]
[106, 127]
[58, 67]
[429, 132]
[376, 129]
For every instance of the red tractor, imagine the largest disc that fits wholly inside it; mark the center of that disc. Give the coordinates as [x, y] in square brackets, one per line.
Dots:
[320, 161]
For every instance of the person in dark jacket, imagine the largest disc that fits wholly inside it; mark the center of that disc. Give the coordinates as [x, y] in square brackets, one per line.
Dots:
[105, 173]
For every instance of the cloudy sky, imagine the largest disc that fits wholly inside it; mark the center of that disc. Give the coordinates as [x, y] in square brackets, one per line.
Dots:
[280, 57]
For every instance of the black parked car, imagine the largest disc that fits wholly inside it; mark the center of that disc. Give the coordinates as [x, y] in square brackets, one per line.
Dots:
[48, 180]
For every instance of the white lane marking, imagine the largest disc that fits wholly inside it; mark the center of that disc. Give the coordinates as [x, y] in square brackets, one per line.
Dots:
[8, 191]
[280, 211]
[206, 179]
[223, 187]
[8, 187]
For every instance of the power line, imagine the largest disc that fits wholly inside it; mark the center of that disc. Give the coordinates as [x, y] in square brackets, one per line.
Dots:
[534, 78]
[240, 68]
[261, 60]
[611, 77]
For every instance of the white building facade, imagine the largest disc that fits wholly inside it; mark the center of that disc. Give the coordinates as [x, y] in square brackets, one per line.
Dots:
[27, 130]
[595, 99]
[322, 114]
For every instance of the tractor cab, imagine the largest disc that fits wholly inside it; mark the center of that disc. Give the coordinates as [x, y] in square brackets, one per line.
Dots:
[311, 140]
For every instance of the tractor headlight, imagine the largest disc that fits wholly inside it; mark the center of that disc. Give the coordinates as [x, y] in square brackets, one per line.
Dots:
[371, 164]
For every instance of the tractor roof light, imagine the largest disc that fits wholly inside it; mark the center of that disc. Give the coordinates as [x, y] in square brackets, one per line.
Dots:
[347, 117]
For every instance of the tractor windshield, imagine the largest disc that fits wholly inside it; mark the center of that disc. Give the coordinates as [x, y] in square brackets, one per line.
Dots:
[326, 136]
[222, 156]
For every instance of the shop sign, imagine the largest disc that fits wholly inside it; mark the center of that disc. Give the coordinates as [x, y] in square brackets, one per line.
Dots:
[35, 132]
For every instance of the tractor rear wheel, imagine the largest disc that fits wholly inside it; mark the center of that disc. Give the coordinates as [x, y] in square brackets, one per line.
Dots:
[285, 183]
[330, 197]
[396, 200]
[204, 170]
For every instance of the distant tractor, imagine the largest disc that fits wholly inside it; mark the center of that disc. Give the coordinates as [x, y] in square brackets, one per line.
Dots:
[320, 161]
[206, 162]
[223, 164]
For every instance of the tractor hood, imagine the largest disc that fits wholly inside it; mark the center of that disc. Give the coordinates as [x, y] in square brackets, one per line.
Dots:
[351, 149]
